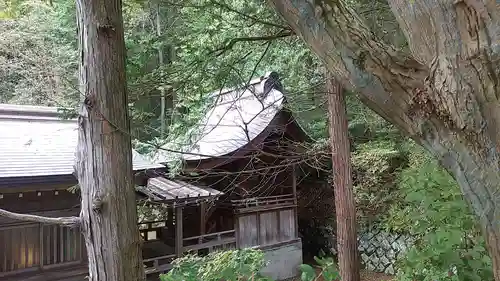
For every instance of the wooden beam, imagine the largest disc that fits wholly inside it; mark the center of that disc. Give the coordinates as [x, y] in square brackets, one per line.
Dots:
[178, 231]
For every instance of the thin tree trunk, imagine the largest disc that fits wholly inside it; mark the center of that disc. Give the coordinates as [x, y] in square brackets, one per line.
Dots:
[345, 209]
[160, 63]
[104, 161]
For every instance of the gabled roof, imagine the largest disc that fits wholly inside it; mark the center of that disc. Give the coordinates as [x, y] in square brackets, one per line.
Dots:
[238, 116]
[35, 141]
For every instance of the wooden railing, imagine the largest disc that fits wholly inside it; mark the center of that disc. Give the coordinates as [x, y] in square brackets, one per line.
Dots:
[212, 241]
[287, 199]
[159, 264]
[151, 231]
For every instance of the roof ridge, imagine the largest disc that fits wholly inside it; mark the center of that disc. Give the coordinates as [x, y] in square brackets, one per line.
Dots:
[245, 85]
[33, 112]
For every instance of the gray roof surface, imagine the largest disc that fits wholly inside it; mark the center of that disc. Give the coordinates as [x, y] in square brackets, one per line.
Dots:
[238, 116]
[34, 141]
[162, 189]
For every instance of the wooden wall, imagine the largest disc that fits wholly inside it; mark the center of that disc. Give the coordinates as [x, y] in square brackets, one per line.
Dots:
[37, 246]
[32, 246]
[39, 201]
[266, 227]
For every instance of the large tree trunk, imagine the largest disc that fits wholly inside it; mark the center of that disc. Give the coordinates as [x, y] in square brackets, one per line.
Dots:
[345, 209]
[444, 94]
[104, 166]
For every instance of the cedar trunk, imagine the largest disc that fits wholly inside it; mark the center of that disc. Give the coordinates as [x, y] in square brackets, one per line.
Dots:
[345, 209]
[104, 158]
[444, 92]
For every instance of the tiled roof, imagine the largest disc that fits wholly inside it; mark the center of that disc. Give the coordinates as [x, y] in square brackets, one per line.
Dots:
[238, 116]
[34, 141]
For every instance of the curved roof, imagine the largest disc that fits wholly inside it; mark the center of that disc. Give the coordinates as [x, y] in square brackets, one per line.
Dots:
[237, 118]
[34, 141]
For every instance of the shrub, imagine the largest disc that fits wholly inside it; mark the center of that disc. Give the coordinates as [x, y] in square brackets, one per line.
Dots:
[233, 265]
[328, 270]
[449, 245]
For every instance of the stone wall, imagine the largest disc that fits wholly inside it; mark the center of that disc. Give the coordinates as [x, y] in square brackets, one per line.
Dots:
[378, 249]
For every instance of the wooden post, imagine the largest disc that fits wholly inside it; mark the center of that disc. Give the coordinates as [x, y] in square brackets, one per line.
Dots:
[40, 248]
[294, 184]
[178, 232]
[170, 218]
[203, 211]
[295, 213]
[347, 244]
[237, 230]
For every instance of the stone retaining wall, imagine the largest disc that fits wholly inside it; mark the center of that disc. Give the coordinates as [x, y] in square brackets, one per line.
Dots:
[379, 249]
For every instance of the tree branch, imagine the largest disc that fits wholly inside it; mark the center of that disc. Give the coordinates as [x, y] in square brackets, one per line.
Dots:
[64, 221]
[254, 18]
[384, 77]
[233, 41]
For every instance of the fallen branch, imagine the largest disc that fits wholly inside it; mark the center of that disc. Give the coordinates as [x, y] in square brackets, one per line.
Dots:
[64, 221]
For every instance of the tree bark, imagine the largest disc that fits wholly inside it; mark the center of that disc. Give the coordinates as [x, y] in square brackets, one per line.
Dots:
[444, 93]
[347, 243]
[104, 158]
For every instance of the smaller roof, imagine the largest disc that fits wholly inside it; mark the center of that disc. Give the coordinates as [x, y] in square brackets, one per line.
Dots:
[162, 189]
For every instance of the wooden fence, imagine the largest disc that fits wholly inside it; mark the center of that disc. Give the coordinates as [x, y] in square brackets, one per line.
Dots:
[31, 247]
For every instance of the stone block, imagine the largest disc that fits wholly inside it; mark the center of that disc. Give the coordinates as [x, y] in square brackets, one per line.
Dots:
[365, 258]
[370, 249]
[380, 251]
[390, 254]
[390, 270]
[370, 266]
[385, 261]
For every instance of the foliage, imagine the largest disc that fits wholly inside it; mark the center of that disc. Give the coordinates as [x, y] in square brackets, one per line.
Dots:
[38, 54]
[233, 265]
[432, 209]
[328, 270]
[375, 168]
[239, 265]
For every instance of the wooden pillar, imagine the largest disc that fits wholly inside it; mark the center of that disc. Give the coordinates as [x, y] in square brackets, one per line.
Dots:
[203, 213]
[294, 189]
[237, 230]
[178, 232]
[40, 246]
[170, 218]
[294, 183]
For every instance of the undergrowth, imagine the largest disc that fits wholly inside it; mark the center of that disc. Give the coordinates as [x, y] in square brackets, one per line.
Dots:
[238, 265]
[432, 209]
